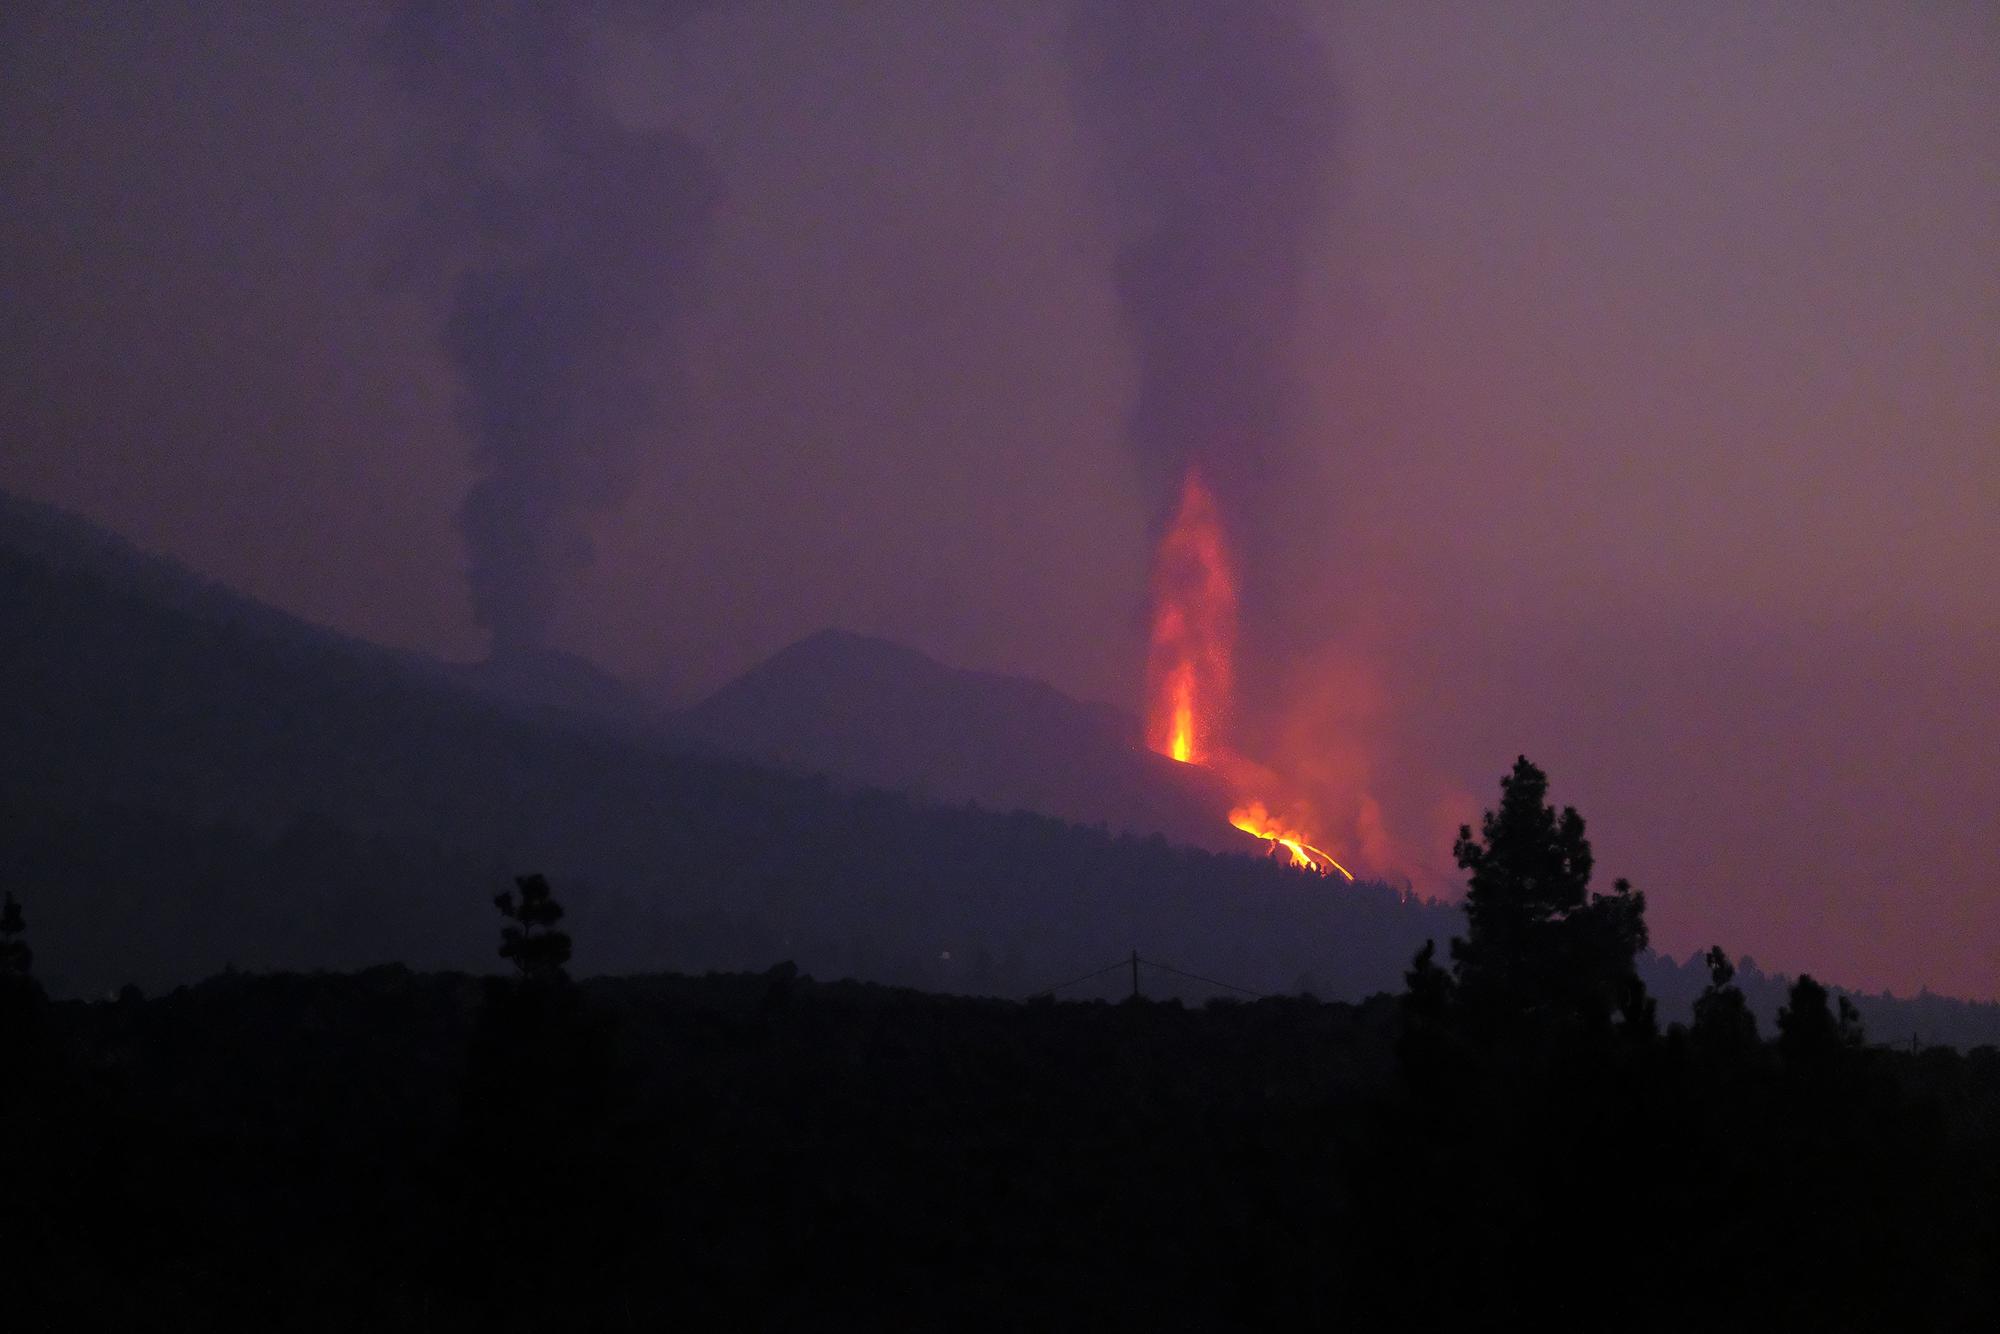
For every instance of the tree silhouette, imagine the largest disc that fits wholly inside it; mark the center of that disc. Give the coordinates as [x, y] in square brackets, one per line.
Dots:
[16, 959]
[1723, 1022]
[1539, 944]
[1426, 1047]
[1809, 1031]
[530, 1160]
[1851, 1032]
[1429, 986]
[24, 1049]
[538, 951]
[528, 1027]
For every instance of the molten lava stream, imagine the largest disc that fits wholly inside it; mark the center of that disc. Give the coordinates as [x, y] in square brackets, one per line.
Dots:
[1254, 819]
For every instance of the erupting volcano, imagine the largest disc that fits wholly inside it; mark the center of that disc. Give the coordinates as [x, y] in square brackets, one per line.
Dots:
[1194, 631]
[1189, 665]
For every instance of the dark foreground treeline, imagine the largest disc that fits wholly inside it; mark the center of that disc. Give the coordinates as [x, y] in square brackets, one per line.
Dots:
[389, 1150]
[334, 1151]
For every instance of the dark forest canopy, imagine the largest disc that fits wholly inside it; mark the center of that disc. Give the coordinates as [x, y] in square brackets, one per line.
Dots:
[322, 1150]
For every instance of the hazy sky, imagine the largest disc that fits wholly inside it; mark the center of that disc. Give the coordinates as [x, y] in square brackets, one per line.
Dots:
[1642, 405]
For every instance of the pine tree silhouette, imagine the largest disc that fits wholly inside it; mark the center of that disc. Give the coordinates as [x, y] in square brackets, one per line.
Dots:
[1428, 988]
[538, 951]
[16, 959]
[1809, 1031]
[1723, 1023]
[1539, 944]
[24, 1049]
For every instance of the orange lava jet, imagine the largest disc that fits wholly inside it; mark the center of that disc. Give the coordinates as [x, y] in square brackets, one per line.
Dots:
[1190, 661]
[1252, 818]
[1180, 729]
[1194, 630]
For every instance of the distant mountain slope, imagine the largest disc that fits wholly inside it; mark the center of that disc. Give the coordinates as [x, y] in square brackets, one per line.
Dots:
[62, 543]
[869, 711]
[563, 683]
[189, 779]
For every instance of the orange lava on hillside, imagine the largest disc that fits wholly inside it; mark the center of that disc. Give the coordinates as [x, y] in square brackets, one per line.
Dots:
[1252, 818]
[1190, 665]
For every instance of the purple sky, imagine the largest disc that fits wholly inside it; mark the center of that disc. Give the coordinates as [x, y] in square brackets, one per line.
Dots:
[1645, 409]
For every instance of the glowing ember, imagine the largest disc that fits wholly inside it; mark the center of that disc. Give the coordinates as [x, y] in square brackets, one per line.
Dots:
[1194, 630]
[1252, 818]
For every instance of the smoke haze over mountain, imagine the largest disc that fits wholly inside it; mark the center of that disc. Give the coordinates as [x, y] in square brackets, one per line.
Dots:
[565, 241]
[1634, 369]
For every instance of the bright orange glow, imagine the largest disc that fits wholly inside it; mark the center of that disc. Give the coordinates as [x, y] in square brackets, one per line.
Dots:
[1252, 818]
[1190, 667]
[1180, 728]
[1193, 642]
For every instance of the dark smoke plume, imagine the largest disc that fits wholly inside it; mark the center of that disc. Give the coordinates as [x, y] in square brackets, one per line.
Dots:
[1214, 119]
[564, 240]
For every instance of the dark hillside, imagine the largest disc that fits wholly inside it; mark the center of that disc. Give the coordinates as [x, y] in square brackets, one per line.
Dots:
[869, 712]
[280, 796]
[190, 780]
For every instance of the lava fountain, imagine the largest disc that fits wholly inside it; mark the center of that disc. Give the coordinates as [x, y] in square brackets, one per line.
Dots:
[1190, 667]
[1193, 640]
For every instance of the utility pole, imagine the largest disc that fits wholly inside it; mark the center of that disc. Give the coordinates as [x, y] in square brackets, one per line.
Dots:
[1135, 975]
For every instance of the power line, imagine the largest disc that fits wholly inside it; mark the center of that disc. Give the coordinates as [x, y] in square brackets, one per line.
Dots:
[1048, 991]
[1197, 977]
[1133, 963]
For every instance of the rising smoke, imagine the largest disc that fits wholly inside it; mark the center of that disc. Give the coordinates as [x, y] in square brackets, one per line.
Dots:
[562, 242]
[1214, 121]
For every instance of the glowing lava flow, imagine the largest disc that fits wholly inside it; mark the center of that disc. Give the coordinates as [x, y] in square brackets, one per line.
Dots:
[1194, 630]
[1189, 664]
[1252, 818]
